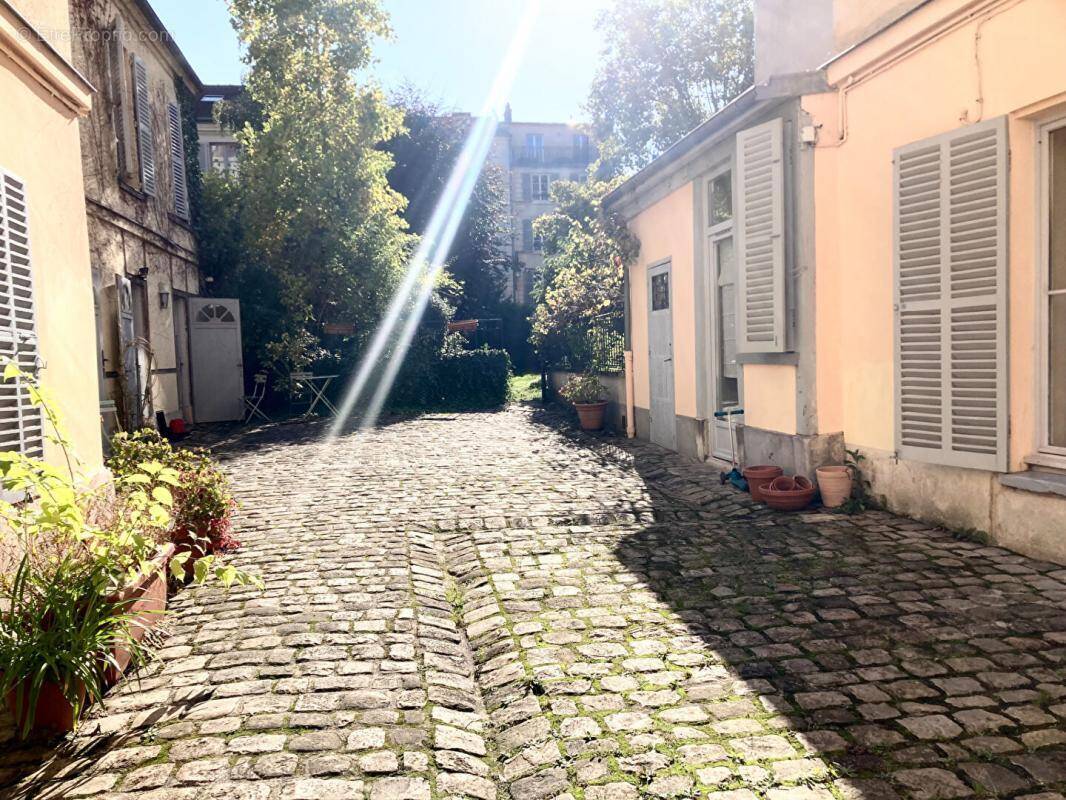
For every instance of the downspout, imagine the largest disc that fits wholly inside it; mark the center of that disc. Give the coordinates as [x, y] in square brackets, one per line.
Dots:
[631, 423]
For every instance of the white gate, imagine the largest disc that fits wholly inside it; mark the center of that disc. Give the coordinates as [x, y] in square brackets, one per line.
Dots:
[217, 361]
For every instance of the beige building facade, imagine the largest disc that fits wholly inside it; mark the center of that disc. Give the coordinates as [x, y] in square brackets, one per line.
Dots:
[142, 247]
[46, 302]
[872, 248]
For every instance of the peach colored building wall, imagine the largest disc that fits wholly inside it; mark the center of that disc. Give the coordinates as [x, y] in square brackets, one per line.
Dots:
[43, 94]
[770, 397]
[1023, 63]
[665, 231]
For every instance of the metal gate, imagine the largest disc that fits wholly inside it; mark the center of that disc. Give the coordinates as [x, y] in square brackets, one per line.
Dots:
[217, 360]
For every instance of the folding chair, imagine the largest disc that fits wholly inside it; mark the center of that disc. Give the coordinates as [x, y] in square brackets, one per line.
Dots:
[253, 400]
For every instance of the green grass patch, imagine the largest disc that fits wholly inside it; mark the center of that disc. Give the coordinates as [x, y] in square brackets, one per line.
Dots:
[522, 388]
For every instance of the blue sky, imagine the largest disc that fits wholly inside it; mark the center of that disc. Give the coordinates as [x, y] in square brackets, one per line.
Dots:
[448, 48]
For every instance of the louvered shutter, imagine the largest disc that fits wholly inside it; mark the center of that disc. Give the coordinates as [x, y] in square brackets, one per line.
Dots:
[527, 235]
[177, 162]
[527, 187]
[20, 421]
[760, 227]
[950, 243]
[116, 57]
[145, 140]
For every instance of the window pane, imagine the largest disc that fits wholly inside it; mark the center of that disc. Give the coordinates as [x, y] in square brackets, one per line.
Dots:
[727, 312]
[1057, 371]
[720, 199]
[660, 291]
[1058, 209]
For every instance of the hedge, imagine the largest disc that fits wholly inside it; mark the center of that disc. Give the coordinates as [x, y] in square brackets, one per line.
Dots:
[474, 378]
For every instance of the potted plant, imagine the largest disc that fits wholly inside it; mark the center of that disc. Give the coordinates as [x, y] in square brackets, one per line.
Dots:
[834, 482]
[589, 397]
[81, 577]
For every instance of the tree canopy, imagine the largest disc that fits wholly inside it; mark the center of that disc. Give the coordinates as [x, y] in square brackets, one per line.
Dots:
[667, 65]
[320, 232]
[424, 156]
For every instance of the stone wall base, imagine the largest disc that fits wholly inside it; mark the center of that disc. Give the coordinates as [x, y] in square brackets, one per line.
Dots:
[795, 454]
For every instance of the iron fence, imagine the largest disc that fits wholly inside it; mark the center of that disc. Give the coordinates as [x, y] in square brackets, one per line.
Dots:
[599, 348]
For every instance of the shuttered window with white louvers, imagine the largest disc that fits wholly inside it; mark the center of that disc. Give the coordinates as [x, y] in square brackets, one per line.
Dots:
[177, 162]
[20, 421]
[760, 226]
[950, 243]
[145, 138]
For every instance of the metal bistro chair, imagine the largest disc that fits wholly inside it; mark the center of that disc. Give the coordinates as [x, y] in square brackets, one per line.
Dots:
[254, 400]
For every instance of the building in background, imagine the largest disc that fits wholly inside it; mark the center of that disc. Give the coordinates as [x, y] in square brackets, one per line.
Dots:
[46, 300]
[532, 155]
[142, 247]
[219, 150]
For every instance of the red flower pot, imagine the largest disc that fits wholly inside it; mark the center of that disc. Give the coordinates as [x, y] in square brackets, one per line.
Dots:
[53, 712]
[759, 476]
[591, 415]
[786, 493]
[145, 600]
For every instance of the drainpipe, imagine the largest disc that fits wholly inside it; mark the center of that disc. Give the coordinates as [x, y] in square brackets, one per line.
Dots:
[631, 423]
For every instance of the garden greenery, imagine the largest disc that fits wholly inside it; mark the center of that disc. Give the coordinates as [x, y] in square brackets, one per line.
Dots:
[67, 551]
[584, 389]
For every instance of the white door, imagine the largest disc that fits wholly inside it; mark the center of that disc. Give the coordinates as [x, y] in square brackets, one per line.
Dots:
[181, 345]
[217, 362]
[661, 356]
[130, 370]
[725, 394]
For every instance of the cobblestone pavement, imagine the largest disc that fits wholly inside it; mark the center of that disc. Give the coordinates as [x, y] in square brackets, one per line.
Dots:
[486, 606]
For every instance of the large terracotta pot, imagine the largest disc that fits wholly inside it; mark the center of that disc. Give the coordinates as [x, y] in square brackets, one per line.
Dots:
[834, 482]
[786, 493]
[145, 599]
[53, 711]
[591, 415]
[759, 476]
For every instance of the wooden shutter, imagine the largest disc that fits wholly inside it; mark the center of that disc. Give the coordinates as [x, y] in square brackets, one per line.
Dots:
[527, 187]
[116, 68]
[760, 227]
[950, 254]
[145, 140]
[527, 235]
[20, 421]
[177, 162]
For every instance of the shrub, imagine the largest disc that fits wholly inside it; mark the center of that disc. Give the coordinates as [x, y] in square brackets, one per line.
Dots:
[474, 379]
[584, 389]
[203, 506]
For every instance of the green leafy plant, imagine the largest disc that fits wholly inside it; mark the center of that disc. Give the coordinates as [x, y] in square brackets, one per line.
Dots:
[862, 498]
[582, 389]
[68, 549]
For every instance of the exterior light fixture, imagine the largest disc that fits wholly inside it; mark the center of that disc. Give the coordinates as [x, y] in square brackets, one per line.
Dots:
[164, 298]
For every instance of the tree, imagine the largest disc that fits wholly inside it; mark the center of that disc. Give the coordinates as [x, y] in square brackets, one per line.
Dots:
[424, 156]
[585, 252]
[667, 66]
[321, 234]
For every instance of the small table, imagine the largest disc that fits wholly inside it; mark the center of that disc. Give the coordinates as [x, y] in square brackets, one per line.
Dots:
[316, 385]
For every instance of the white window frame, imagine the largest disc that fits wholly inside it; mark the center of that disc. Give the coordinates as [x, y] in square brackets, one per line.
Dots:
[536, 181]
[1045, 453]
[713, 235]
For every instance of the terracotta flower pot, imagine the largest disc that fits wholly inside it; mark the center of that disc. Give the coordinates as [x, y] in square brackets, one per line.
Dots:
[591, 415]
[145, 599]
[786, 493]
[53, 711]
[834, 482]
[759, 476]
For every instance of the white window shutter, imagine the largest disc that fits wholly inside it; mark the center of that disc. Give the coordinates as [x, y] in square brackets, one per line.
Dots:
[177, 162]
[760, 227]
[145, 139]
[950, 254]
[21, 426]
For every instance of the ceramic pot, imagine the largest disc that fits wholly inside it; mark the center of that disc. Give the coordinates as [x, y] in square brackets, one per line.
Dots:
[834, 482]
[759, 476]
[591, 415]
[145, 599]
[53, 711]
[787, 493]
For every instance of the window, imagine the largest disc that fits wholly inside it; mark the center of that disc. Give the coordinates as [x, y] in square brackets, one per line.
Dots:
[726, 313]
[222, 156]
[660, 291]
[720, 199]
[540, 187]
[535, 146]
[1055, 288]
[581, 147]
[531, 241]
[21, 425]
[117, 65]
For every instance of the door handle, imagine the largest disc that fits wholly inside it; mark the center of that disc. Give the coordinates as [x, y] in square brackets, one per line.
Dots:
[665, 360]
